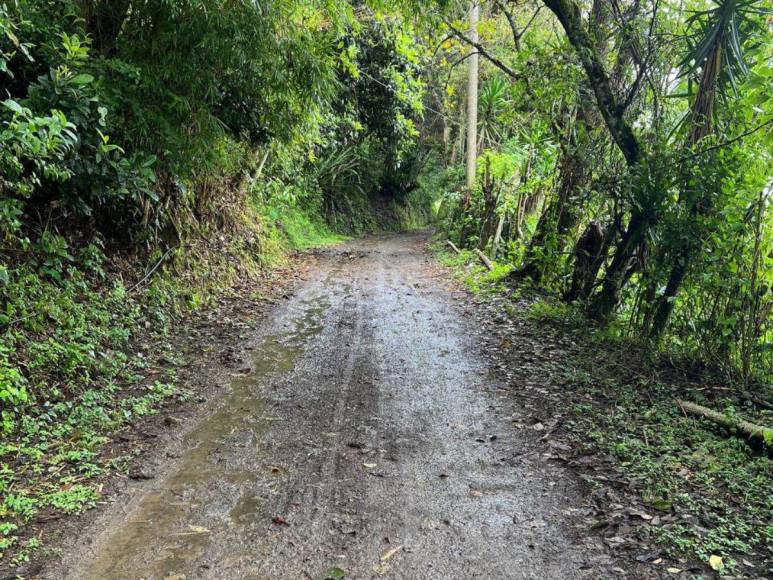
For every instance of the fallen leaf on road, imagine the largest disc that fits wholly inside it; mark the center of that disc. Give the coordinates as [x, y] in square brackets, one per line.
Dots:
[198, 529]
[280, 521]
[369, 465]
[334, 574]
[716, 562]
[390, 553]
[381, 569]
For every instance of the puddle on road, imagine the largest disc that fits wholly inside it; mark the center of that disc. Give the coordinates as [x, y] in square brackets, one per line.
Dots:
[246, 509]
[174, 524]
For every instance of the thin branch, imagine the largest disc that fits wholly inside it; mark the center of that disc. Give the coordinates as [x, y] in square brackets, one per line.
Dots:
[632, 92]
[150, 273]
[642, 62]
[517, 36]
[439, 45]
[728, 142]
[483, 52]
[455, 64]
[511, 22]
[529, 23]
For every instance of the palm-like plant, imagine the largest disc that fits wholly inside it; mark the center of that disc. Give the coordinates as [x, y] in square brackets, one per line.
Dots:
[492, 103]
[717, 43]
[338, 170]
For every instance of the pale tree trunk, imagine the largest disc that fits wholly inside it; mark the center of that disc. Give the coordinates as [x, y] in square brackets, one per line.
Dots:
[472, 101]
[497, 237]
[446, 139]
[458, 144]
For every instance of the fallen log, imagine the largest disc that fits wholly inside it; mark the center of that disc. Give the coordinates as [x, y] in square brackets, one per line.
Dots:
[761, 436]
[484, 259]
[453, 246]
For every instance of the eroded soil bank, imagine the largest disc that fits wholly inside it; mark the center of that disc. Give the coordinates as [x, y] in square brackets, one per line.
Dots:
[366, 435]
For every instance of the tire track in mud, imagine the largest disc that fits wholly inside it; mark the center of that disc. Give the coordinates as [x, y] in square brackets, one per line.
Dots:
[370, 436]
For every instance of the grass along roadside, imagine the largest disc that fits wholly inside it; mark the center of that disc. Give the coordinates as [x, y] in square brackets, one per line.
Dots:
[701, 494]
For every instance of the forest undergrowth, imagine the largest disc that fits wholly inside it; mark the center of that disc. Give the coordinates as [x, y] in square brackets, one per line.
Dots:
[697, 492]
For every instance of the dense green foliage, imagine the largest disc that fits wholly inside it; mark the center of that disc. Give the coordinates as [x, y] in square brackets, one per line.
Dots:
[706, 493]
[152, 155]
[624, 152]
[624, 174]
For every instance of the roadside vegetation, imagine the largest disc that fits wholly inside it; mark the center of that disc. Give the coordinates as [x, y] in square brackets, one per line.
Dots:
[615, 174]
[618, 192]
[622, 162]
[703, 491]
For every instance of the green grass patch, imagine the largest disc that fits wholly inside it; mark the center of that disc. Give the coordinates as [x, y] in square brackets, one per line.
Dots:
[466, 267]
[299, 230]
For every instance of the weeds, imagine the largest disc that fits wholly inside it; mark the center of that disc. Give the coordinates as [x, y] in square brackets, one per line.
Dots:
[710, 491]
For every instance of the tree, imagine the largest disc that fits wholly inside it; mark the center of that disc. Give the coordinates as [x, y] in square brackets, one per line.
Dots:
[472, 100]
[718, 50]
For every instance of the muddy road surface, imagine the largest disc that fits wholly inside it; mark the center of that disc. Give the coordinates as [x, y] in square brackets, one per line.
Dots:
[367, 438]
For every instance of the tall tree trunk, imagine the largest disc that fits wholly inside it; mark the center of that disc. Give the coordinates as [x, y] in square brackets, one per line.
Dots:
[619, 271]
[570, 17]
[490, 200]
[472, 122]
[458, 144]
[472, 101]
[559, 218]
[703, 110]
[588, 257]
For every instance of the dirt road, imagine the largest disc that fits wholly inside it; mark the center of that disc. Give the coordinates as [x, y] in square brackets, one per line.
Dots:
[367, 438]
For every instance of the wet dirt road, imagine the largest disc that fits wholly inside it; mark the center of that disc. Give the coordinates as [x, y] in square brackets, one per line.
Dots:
[368, 437]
